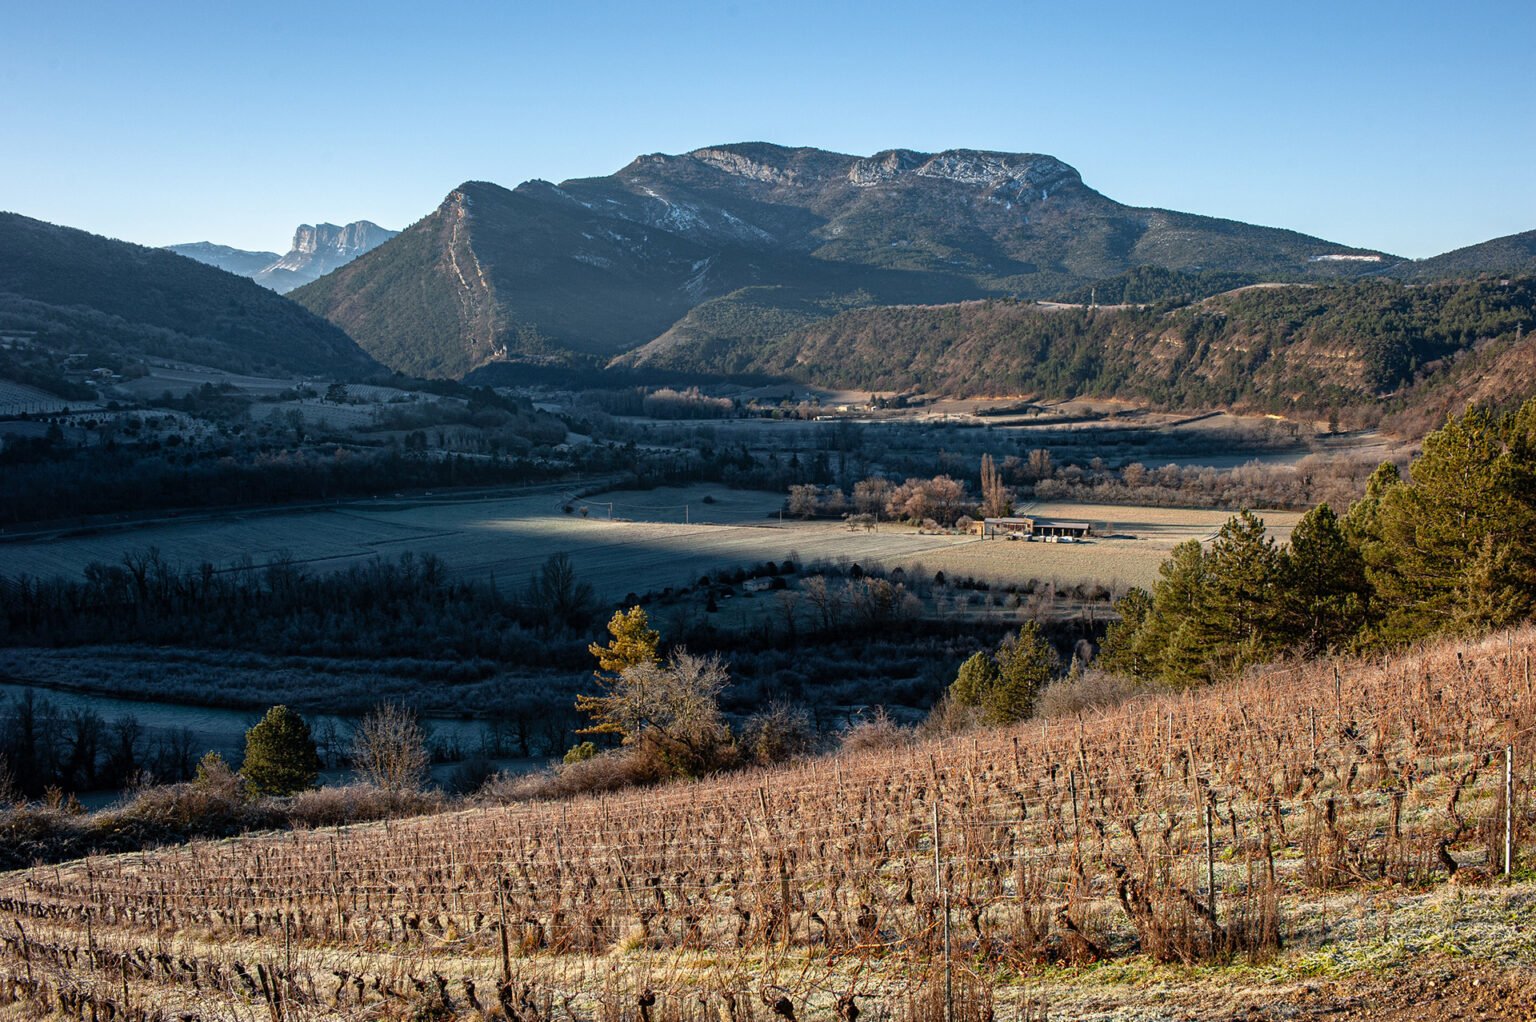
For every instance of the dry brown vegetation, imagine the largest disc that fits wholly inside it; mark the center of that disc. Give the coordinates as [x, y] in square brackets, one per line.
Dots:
[1069, 843]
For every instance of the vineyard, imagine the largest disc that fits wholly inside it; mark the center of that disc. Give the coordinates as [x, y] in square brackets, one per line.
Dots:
[954, 878]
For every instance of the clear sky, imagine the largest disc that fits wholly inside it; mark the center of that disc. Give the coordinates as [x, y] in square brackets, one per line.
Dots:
[1406, 126]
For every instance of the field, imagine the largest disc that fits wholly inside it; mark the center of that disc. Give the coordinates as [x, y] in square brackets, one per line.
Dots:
[654, 539]
[19, 399]
[1287, 837]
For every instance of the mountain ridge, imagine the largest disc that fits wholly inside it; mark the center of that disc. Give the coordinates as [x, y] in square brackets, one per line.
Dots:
[596, 267]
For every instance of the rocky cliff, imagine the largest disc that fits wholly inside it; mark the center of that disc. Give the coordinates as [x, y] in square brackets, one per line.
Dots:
[317, 250]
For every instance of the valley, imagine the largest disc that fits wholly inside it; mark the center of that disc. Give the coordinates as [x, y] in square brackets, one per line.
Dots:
[766, 583]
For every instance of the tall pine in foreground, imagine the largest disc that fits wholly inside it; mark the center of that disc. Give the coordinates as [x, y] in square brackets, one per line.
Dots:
[1458, 542]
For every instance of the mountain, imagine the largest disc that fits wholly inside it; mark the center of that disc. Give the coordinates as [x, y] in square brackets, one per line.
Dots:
[1512, 255]
[85, 293]
[740, 242]
[317, 250]
[232, 260]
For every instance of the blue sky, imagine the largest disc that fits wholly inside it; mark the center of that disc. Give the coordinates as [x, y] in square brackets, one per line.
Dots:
[1405, 126]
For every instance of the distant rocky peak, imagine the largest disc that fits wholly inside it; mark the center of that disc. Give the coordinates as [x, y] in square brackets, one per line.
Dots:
[351, 240]
[991, 170]
[742, 165]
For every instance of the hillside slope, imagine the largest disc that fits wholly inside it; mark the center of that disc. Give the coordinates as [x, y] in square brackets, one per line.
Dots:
[80, 291]
[1071, 859]
[599, 266]
[1512, 255]
[1303, 348]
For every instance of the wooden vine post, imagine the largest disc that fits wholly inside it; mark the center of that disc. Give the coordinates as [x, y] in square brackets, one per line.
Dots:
[1509, 810]
[501, 909]
[942, 896]
[1210, 861]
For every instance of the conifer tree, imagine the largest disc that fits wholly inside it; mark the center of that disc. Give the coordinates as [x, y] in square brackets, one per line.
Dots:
[633, 645]
[1326, 595]
[1120, 651]
[1025, 662]
[280, 756]
[1457, 541]
[1242, 594]
[974, 679]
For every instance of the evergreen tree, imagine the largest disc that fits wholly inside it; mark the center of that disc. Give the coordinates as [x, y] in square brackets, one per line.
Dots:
[1326, 593]
[1176, 637]
[1458, 540]
[633, 645]
[975, 678]
[634, 642]
[1025, 663]
[280, 756]
[1120, 650]
[1004, 685]
[1242, 594]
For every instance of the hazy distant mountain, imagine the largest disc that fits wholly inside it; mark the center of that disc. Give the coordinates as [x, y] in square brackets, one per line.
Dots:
[746, 242]
[89, 293]
[317, 250]
[235, 260]
[1510, 255]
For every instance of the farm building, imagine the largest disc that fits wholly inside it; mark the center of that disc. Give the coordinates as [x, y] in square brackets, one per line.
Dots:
[1035, 528]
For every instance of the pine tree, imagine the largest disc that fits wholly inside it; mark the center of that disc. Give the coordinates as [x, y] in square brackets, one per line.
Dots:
[1458, 540]
[1175, 639]
[633, 645]
[1120, 650]
[1025, 663]
[1326, 594]
[974, 679]
[280, 756]
[1242, 594]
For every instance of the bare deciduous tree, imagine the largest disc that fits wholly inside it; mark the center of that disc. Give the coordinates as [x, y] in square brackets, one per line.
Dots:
[389, 749]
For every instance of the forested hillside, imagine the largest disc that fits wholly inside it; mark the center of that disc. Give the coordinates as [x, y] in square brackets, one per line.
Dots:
[81, 292]
[1302, 349]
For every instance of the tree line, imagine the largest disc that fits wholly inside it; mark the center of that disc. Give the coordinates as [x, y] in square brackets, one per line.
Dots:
[408, 607]
[1450, 549]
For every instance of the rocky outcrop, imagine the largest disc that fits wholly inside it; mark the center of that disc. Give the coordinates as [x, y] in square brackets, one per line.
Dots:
[320, 248]
[317, 250]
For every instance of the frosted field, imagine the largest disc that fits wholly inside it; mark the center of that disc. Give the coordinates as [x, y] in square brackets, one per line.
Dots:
[182, 379]
[316, 412]
[19, 399]
[655, 539]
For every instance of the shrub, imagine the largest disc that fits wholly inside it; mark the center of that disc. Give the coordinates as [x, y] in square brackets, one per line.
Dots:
[1091, 690]
[780, 732]
[389, 749]
[876, 731]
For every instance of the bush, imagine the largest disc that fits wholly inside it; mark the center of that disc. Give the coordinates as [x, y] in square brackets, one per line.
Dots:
[1092, 690]
[780, 732]
[389, 749]
[580, 753]
[876, 731]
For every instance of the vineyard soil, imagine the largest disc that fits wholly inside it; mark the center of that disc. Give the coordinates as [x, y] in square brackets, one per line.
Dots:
[1315, 839]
